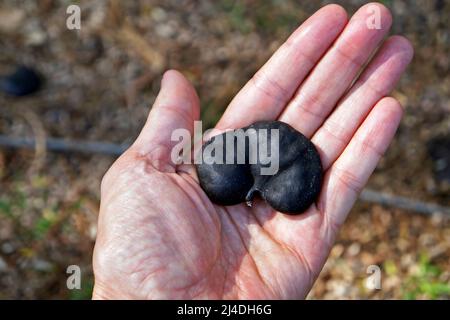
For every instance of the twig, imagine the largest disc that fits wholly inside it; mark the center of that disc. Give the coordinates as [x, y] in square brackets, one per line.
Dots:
[140, 46]
[40, 149]
[402, 202]
[63, 145]
[90, 147]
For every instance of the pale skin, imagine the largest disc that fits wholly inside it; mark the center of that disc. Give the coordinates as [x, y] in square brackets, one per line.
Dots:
[159, 236]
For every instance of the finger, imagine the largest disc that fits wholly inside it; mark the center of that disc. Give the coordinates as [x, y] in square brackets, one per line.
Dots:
[347, 176]
[335, 72]
[376, 82]
[176, 107]
[266, 94]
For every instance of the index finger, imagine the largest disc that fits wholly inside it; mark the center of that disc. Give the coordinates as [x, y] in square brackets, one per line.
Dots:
[266, 94]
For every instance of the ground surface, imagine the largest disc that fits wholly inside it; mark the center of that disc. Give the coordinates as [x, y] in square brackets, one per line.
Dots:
[101, 81]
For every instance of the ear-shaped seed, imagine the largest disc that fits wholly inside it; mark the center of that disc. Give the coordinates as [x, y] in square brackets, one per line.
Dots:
[271, 160]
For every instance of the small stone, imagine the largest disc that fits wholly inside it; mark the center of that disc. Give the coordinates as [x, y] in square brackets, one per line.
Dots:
[36, 38]
[159, 14]
[42, 265]
[337, 250]
[11, 19]
[7, 248]
[165, 30]
[93, 231]
[354, 249]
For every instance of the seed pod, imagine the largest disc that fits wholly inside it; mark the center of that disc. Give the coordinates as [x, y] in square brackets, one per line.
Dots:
[269, 159]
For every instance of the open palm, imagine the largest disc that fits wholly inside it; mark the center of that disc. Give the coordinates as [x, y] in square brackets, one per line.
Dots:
[159, 236]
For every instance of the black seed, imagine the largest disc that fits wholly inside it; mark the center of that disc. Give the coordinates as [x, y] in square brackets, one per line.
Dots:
[292, 189]
[23, 81]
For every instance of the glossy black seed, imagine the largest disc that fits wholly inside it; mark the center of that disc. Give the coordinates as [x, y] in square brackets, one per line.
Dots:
[292, 189]
[23, 81]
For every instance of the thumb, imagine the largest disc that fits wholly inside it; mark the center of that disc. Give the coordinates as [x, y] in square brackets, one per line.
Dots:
[176, 107]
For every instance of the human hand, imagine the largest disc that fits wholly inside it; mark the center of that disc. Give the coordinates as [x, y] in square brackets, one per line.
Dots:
[159, 236]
